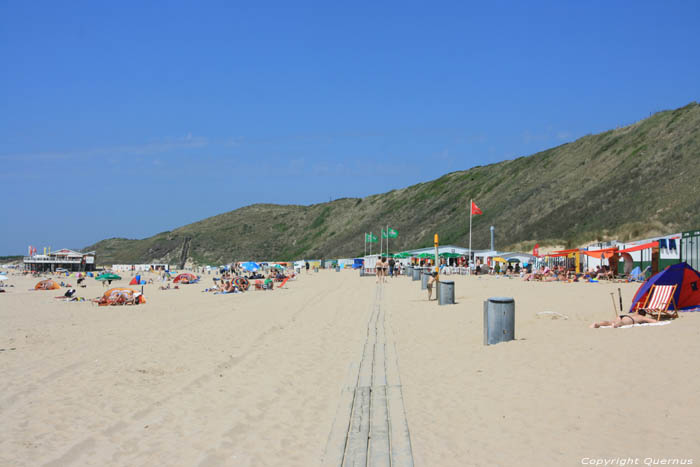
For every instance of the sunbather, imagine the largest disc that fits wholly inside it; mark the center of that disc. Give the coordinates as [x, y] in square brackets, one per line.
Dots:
[638, 317]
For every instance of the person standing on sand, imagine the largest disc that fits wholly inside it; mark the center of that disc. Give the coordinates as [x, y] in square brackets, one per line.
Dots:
[431, 282]
[307, 267]
[392, 265]
[379, 268]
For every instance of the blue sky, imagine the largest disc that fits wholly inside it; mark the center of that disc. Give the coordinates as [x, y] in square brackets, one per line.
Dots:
[120, 119]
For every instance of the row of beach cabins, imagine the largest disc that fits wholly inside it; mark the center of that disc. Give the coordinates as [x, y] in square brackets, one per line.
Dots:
[650, 254]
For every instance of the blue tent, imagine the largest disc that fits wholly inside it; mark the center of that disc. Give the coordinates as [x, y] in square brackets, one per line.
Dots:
[250, 266]
[687, 295]
[357, 263]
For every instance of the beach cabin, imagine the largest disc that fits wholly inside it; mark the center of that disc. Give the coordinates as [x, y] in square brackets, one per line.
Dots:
[655, 253]
[69, 260]
[690, 248]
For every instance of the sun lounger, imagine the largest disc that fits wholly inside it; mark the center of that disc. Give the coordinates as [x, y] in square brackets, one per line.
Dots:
[659, 299]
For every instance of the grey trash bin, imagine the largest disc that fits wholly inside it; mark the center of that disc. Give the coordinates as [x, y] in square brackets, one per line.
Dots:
[337, 269]
[446, 293]
[416, 274]
[362, 271]
[499, 320]
[424, 277]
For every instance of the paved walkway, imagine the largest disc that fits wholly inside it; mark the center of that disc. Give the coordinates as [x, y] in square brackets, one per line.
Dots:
[370, 427]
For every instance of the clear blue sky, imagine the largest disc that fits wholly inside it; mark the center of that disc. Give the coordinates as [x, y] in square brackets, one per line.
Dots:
[119, 119]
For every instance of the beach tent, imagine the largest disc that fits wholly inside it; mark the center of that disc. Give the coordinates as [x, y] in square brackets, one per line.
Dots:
[687, 295]
[47, 284]
[186, 278]
[121, 296]
[250, 266]
[136, 280]
[357, 263]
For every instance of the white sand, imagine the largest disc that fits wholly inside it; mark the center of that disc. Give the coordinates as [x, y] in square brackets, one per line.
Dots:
[254, 379]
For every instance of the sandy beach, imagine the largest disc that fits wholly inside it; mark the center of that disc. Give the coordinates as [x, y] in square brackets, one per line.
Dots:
[257, 379]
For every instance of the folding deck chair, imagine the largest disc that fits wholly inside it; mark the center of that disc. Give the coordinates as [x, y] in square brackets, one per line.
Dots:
[658, 300]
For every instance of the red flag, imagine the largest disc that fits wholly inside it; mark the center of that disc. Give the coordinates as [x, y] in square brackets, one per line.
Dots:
[475, 209]
[536, 250]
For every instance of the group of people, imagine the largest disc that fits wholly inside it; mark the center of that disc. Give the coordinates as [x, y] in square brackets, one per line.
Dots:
[390, 268]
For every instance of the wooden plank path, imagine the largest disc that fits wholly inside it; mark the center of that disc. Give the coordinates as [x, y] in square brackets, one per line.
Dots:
[370, 427]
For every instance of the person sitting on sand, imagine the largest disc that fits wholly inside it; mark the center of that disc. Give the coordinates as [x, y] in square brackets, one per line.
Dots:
[605, 273]
[638, 317]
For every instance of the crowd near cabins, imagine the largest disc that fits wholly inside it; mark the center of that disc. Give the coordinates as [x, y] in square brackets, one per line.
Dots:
[650, 255]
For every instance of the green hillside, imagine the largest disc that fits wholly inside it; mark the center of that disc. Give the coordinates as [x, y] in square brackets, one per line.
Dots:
[627, 183]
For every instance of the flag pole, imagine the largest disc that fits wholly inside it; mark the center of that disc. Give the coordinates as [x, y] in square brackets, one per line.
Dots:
[471, 210]
[370, 243]
[387, 239]
[365, 243]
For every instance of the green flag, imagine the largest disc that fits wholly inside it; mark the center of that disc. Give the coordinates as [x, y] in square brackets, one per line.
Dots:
[384, 234]
[372, 238]
[393, 233]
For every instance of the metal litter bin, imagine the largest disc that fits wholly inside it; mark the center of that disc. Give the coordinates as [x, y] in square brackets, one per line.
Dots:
[416, 274]
[337, 269]
[424, 278]
[446, 293]
[499, 320]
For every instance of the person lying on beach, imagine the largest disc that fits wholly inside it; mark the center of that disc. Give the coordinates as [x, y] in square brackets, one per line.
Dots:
[638, 317]
[537, 275]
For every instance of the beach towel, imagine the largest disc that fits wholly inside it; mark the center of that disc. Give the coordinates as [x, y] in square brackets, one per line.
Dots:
[660, 323]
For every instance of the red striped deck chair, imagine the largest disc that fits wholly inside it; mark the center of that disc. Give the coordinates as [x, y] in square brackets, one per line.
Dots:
[659, 299]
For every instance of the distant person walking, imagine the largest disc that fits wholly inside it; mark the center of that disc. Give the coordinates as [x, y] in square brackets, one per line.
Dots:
[392, 266]
[307, 266]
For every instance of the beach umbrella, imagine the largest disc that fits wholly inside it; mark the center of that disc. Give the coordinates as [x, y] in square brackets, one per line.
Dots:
[278, 266]
[250, 266]
[108, 276]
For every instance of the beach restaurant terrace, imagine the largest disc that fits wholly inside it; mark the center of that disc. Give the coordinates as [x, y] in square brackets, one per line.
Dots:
[62, 259]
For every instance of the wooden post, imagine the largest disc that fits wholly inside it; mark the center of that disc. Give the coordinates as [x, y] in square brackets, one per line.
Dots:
[655, 255]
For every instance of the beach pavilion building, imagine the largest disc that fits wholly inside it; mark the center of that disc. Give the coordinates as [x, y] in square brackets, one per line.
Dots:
[62, 259]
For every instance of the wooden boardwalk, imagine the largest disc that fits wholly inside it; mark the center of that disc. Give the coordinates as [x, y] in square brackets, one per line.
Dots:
[370, 427]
